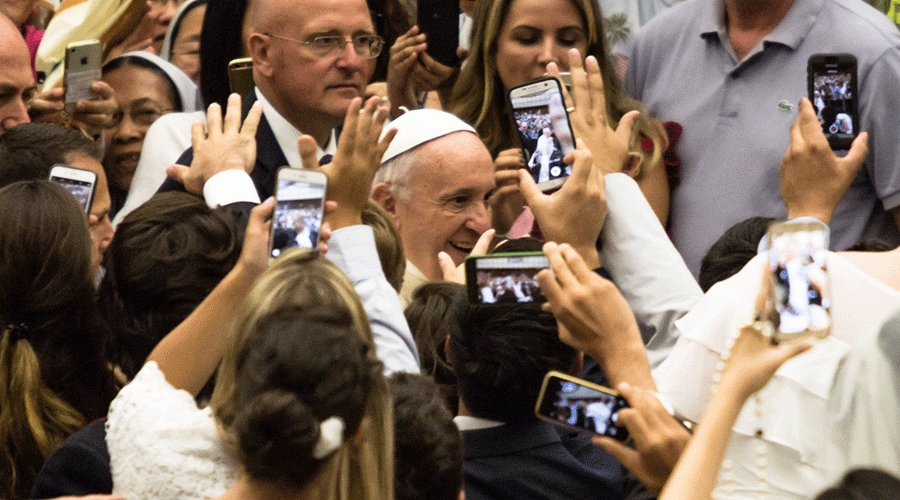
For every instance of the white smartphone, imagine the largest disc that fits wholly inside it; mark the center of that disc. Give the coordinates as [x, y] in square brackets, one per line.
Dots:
[544, 130]
[799, 298]
[78, 181]
[83, 60]
[299, 202]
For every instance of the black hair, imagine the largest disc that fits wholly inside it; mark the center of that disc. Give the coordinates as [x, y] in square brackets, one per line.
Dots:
[500, 356]
[220, 42]
[733, 250]
[432, 315]
[864, 484]
[165, 258]
[29, 150]
[140, 62]
[428, 456]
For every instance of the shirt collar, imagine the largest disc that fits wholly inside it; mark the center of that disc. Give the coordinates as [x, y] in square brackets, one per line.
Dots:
[466, 423]
[287, 135]
[790, 31]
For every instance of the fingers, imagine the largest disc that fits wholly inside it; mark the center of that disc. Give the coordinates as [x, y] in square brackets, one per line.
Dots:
[179, 173]
[857, 154]
[626, 456]
[102, 90]
[198, 135]
[580, 86]
[789, 350]
[809, 123]
[307, 147]
[595, 89]
[529, 188]
[261, 213]
[214, 120]
[449, 270]
[575, 263]
[581, 167]
[483, 243]
[232, 121]
[348, 133]
[559, 265]
[626, 125]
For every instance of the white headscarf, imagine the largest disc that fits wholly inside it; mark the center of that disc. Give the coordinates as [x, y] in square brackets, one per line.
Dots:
[175, 25]
[187, 89]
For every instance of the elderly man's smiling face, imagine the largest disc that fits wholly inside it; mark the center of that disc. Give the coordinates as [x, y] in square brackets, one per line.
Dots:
[445, 207]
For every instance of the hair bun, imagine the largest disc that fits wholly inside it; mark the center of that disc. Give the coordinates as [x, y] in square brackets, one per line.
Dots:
[276, 434]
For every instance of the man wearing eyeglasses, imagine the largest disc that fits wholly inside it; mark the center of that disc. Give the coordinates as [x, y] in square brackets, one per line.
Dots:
[310, 59]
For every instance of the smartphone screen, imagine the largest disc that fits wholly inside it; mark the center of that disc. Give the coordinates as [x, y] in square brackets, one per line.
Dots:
[544, 131]
[298, 215]
[800, 297]
[576, 403]
[505, 278]
[833, 92]
[77, 181]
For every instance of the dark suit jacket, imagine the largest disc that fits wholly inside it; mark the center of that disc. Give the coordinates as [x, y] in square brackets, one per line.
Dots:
[534, 461]
[269, 157]
[80, 466]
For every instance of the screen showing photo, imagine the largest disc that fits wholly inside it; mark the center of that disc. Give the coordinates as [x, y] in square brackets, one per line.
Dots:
[298, 215]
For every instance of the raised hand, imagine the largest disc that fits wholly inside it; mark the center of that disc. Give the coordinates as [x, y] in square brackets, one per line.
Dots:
[813, 179]
[358, 157]
[229, 145]
[594, 317]
[575, 213]
[658, 438]
[589, 118]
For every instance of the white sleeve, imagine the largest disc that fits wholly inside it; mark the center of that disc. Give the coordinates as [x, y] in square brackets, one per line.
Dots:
[352, 249]
[645, 266]
[230, 186]
[161, 446]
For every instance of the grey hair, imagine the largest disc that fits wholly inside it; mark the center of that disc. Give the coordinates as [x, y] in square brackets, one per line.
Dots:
[397, 171]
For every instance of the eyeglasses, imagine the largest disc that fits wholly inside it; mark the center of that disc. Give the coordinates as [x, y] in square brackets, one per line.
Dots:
[368, 46]
[142, 114]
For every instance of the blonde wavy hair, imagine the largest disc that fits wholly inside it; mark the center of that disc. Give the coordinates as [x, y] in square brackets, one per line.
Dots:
[479, 97]
[297, 282]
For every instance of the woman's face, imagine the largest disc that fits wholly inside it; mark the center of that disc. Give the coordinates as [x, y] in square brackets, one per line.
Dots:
[143, 96]
[537, 32]
[186, 46]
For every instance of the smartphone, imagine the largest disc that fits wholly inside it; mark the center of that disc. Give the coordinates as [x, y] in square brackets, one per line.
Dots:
[574, 403]
[833, 91]
[799, 296]
[82, 69]
[544, 130]
[439, 21]
[240, 76]
[299, 201]
[505, 278]
[78, 181]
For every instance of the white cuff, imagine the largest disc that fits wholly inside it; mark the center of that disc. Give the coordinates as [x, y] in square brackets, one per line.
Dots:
[230, 186]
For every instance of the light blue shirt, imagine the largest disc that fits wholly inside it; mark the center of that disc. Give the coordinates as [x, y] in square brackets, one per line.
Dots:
[737, 114]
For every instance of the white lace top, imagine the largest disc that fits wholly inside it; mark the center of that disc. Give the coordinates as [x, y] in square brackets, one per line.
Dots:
[161, 446]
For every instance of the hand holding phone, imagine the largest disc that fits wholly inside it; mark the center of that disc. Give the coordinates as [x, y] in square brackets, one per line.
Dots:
[300, 201]
[505, 278]
[82, 69]
[832, 86]
[439, 21]
[544, 130]
[577, 404]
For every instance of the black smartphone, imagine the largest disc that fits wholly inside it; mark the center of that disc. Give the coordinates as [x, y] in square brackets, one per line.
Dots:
[574, 403]
[799, 297]
[78, 181]
[439, 20]
[544, 130]
[505, 278]
[299, 202]
[832, 84]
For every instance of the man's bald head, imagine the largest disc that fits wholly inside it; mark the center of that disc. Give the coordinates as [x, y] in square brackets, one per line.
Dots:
[16, 78]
